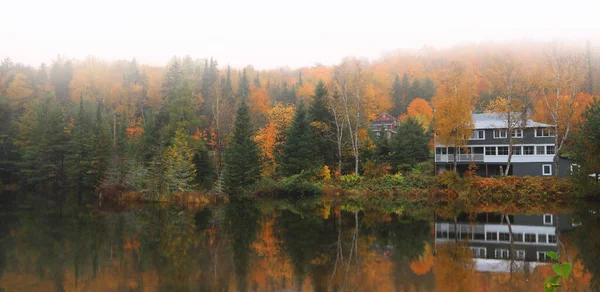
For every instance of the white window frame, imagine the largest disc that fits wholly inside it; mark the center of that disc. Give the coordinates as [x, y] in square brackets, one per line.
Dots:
[490, 147]
[551, 220]
[497, 133]
[501, 251]
[554, 152]
[551, 134]
[478, 138]
[545, 238]
[498, 150]
[515, 131]
[523, 150]
[520, 254]
[544, 173]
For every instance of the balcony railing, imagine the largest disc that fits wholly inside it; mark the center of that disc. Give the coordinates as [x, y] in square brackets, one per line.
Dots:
[459, 157]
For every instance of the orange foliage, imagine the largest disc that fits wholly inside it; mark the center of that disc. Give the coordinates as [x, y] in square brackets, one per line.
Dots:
[425, 262]
[271, 137]
[259, 102]
[420, 110]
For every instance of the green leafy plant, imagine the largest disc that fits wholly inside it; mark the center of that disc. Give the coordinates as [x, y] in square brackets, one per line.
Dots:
[562, 273]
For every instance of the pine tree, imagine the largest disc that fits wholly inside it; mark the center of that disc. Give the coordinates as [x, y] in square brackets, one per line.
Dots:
[179, 169]
[321, 120]
[410, 145]
[44, 144]
[257, 80]
[396, 93]
[226, 87]
[428, 89]
[83, 158]
[242, 164]
[300, 81]
[172, 81]
[300, 151]
[414, 91]
[244, 87]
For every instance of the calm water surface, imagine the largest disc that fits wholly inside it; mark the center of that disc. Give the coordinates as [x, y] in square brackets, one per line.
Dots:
[271, 246]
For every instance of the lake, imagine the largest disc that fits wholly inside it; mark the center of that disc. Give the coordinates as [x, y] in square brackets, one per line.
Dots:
[284, 246]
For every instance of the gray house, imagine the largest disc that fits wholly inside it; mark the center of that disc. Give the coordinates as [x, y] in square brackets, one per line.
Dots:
[488, 147]
[489, 238]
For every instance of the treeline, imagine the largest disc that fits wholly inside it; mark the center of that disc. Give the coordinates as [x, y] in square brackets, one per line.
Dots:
[197, 125]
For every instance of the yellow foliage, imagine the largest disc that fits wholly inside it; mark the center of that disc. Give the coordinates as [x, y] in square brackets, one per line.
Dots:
[19, 87]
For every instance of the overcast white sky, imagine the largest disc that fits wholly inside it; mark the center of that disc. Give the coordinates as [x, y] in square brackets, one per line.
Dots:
[274, 33]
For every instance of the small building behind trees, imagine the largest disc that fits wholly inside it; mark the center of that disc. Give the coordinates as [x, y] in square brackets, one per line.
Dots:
[384, 125]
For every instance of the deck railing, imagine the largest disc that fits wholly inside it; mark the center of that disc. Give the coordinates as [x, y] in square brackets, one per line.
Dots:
[459, 157]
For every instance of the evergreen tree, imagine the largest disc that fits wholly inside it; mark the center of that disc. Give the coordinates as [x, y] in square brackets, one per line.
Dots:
[396, 92]
[172, 81]
[428, 89]
[179, 169]
[257, 80]
[8, 152]
[300, 151]
[44, 144]
[383, 148]
[242, 164]
[300, 81]
[414, 91]
[291, 97]
[60, 77]
[410, 145]
[227, 87]
[322, 121]
[244, 87]
[83, 158]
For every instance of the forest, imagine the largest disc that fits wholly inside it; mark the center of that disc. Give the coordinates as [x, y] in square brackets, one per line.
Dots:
[194, 125]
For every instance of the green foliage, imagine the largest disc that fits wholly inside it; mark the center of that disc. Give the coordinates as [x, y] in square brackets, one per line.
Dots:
[410, 145]
[179, 169]
[425, 167]
[242, 164]
[562, 273]
[322, 121]
[85, 166]
[44, 144]
[297, 186]
[243, 87]
[300, 151]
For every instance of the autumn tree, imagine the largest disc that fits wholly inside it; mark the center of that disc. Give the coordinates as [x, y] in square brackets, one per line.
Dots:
[242, 162]
[565, 80]
[19, 88]
[420, 110]
[300, 151]
[453, 124]
[271, 138]
[513, 102]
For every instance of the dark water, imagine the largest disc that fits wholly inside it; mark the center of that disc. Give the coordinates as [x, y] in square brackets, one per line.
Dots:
[277, 246]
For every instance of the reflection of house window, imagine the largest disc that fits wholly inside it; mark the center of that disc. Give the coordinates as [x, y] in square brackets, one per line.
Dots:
[501, 253]
[479, 252]
[547, 219]
[520, 254]
[479, 236]
[504, 236]
[542, 257]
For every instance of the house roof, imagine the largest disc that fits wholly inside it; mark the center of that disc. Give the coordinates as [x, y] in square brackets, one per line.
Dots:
[385, 117]
[495, 121]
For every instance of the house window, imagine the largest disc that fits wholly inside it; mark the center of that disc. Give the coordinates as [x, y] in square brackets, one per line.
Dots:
[548, 219]
[546, 169]
[490, 150]
[516, 150]
[479, 252]
[541, 150]
[520, 254]
[478, 236]
[551, 238]
[517, 133]
[441, 234]
[530, 237]
[544, 132]
[528, 150]
[441, 150]
[501, 253]
[504, 236]
[491, 236]
[478, 135]
[500, 133]
[541, 256]
[378, 127]
[503, 150]
[550, 149]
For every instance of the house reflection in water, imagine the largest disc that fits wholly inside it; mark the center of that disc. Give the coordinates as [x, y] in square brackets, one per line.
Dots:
[489, 237]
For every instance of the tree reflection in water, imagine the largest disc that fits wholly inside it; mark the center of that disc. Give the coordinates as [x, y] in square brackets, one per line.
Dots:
[248, 245]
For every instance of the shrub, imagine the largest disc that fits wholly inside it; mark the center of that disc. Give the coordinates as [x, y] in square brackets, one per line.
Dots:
[425, 168]
[374, 169]
[448, 179]
[351, 181]
[297, 187]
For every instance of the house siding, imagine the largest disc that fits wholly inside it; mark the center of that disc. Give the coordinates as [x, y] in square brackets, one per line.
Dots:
[528, 138]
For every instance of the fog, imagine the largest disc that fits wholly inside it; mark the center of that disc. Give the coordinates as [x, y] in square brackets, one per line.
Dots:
[269, 33]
